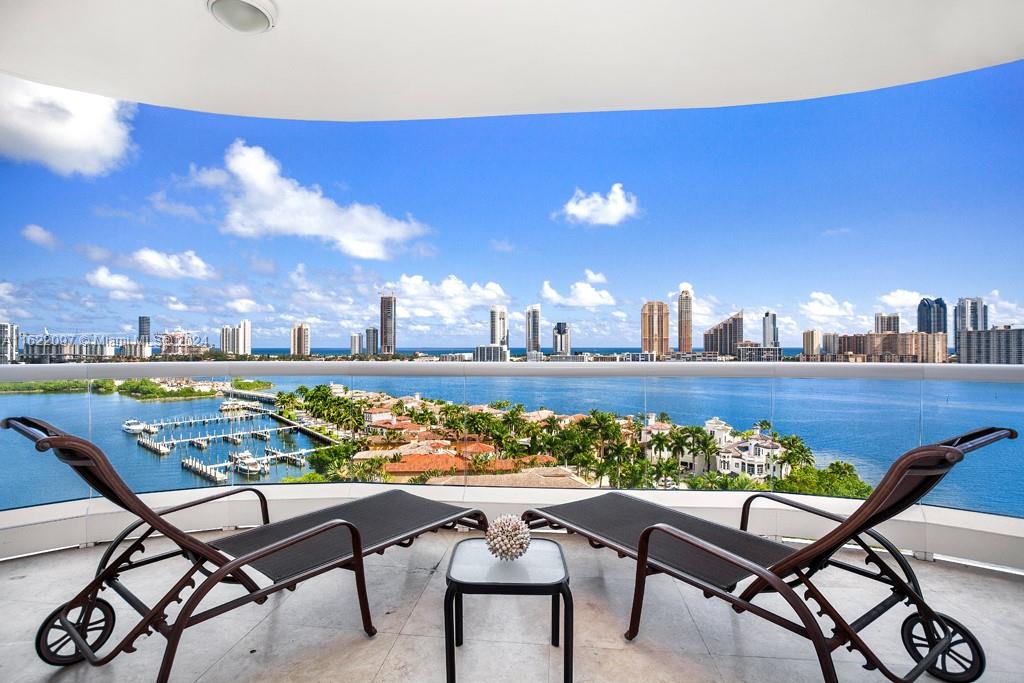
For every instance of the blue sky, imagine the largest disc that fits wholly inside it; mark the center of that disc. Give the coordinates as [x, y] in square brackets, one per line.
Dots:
[824, 211]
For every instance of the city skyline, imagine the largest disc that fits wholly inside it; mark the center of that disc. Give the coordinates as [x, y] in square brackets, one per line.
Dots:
[283, 221]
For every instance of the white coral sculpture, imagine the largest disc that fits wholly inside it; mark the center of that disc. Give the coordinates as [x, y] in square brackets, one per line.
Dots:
[508, 537]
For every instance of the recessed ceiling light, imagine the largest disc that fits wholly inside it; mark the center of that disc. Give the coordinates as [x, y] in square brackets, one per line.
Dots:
[244, 16]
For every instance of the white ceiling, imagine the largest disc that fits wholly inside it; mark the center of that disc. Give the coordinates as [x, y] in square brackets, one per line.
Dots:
[356, 60]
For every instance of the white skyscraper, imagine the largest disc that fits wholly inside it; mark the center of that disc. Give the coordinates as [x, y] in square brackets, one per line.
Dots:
[532, 329]
[769, 330]
[8, 343]
[236, 339]
[499, 325]
[969, 314]
[812, 342]
[300, 340]
[356, 344]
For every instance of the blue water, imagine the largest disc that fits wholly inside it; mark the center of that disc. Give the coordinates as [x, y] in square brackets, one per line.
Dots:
[868, 422]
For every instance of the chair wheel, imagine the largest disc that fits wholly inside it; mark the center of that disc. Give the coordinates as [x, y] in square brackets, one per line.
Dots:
[54, 645]
[962, 662]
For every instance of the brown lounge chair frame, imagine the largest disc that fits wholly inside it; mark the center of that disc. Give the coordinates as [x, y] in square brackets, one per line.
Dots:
[87, 621]
[935, 641]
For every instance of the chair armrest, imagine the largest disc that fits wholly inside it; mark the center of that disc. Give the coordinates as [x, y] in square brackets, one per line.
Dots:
[745, 517]
[264, 510]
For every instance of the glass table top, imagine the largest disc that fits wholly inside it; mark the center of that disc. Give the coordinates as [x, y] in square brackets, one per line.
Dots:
[542, 563]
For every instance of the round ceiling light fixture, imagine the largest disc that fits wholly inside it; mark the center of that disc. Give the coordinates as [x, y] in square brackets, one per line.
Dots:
[244, 16]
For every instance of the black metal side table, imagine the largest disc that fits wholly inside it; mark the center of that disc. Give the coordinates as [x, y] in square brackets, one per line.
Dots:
[540, 571]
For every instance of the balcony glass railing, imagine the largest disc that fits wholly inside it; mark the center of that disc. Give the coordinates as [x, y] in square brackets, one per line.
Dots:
[448, 426]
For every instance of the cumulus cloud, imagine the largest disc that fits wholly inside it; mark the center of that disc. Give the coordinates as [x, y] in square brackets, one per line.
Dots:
[207, 177]
[450, 300]
[825, 309]
[69, 132]
[262, 202]
[173, 266]
[119, 287]
[902, 299]
[594, 278]
[1002, 311]
[160, 202]
[581, 295]
[37, 234]
[621, 315]
[173, 303]
[248, 306]
[597, 209]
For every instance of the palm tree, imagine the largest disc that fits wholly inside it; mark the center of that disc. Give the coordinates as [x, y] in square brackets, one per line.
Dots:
[659, 444]
[666, 471]
[706, 447]
[763, 425]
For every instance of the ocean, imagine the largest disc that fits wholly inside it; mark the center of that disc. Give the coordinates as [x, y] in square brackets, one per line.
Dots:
[868, 422]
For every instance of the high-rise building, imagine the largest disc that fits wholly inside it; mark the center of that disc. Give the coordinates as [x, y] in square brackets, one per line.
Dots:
[144, 333]
[388, 319]
[685, 321]
[300, 340]
[931, 315]
[654, 328]
[1003, 345]
[812, 342]
[236, 339]
[769, 330]
[372, 341]
[856, 344]
[532, 328]
[561, 343]
[499, 325]
[490, 353]
[724, 338]
[830, 343]
[887, 322]
[355, 343]
[8, 343]
[969, 315]
[906, 347]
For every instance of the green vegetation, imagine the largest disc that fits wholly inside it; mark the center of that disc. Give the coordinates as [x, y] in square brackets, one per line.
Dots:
[46, 387]
[250, 384]
[148, 389]
[839, 479]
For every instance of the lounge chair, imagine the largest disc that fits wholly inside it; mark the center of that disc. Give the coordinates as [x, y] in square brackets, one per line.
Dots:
[286, 552]
[716, 558]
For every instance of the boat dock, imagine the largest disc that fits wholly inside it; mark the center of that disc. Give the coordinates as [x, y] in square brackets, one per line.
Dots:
[210, 472]
[201, 420]
[263, 433]
[158, 447]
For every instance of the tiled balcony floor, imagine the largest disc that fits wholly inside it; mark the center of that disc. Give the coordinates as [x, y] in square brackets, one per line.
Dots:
[313, 634]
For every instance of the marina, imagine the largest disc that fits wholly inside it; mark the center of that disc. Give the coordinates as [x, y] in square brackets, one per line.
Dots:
[246, 464]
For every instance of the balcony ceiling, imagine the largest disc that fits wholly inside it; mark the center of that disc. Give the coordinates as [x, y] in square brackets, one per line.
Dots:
[416, 59]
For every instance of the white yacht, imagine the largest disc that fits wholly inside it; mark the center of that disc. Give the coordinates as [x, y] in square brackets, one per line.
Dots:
[133, 426]
[248, 465]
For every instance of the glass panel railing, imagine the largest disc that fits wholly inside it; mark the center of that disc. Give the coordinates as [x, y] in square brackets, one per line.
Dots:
[712, 433]
[31, 477]
[988, 480]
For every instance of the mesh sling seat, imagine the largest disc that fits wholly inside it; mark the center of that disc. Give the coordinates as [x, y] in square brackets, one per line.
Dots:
[286, 553]
[717, 558]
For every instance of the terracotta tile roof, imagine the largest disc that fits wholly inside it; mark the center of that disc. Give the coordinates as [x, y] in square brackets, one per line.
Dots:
[415, 464]
[476, 447]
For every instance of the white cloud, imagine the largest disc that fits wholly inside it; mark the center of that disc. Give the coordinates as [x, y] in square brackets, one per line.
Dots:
[207, 177]
[581, 295]
[174, 266]
[263, 202]
[621, 315]
[825, 309]
[119, 287]
[248, 306]
[37, 234]
[174, 304]
[450, 300]
[93, 252]
[902, 300]
[503, 246]
[1001, 311]
[595, 209]
[594, 278]
[160, 202]
[6, 292]
[68, 132]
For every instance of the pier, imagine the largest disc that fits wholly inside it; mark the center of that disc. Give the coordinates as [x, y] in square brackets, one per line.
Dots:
[158, 447]
[217, 472]
[200, 420]
[210, 472]
[235, 438]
